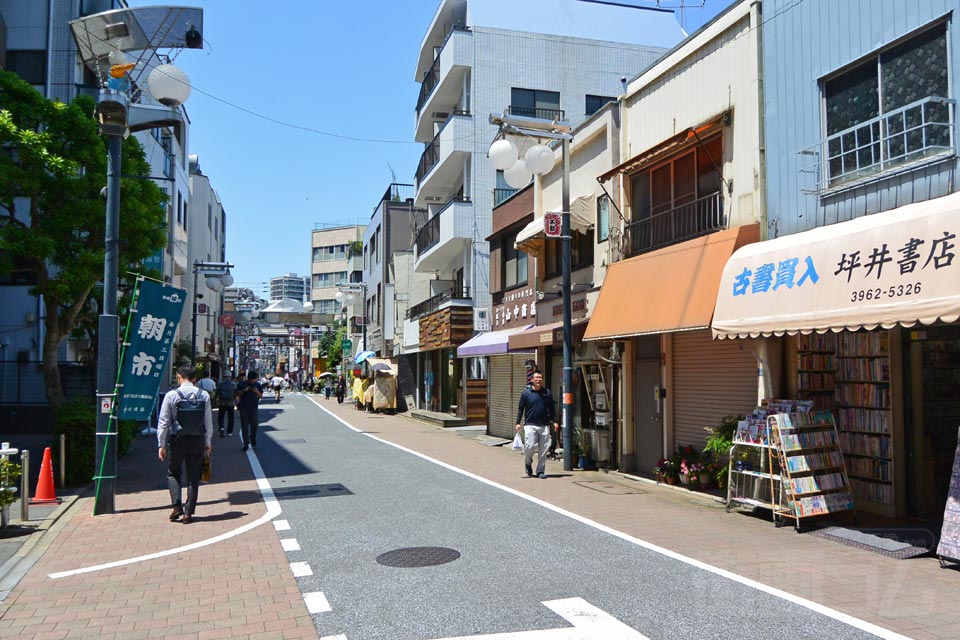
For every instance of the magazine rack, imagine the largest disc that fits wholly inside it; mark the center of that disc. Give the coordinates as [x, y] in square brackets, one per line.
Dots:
[814, 480]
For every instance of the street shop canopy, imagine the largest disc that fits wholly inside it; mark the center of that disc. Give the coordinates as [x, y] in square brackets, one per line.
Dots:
[881, 270]
[546, 335]
[672, 289]
[489, 343]
[582, 216]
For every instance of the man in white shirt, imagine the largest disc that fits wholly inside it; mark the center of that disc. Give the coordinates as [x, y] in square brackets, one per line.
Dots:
[184, 437]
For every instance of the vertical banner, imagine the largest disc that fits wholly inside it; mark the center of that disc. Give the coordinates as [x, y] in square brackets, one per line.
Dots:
[155, 316]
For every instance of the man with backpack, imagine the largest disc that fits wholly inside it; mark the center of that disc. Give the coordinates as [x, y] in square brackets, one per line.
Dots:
[226, 401]
[184, 435]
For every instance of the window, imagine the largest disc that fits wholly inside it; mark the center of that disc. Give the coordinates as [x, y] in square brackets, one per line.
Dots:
[581, 253]
[889, 109]
[327, 280]
[476, 368]
[209, 216]
[677, 199]
[31, 66]
[594, 103]
[513, 263]
[603, 218]
[535, 103]
[180, 210]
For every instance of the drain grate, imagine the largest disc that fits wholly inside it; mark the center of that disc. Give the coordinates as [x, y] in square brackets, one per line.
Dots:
[418, 557]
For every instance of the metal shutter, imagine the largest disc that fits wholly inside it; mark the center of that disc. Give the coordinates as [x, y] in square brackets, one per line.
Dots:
[711, 379]
[506, 379]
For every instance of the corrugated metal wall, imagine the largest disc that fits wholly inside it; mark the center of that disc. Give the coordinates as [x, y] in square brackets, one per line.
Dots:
[711, 379]
[506, 379]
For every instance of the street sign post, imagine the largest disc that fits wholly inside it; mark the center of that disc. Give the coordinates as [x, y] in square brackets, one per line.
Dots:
[346, 346]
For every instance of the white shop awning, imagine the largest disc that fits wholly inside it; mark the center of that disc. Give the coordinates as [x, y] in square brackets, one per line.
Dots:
[582, 216]
[896, 267]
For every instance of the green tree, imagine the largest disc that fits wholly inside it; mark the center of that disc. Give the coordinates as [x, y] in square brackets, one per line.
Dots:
[52, 169]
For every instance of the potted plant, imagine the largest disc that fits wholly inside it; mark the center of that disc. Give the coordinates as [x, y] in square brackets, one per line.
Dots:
[717, 448]
[582, 446]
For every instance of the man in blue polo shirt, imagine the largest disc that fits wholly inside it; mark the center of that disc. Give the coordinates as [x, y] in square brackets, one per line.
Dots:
[537, 416]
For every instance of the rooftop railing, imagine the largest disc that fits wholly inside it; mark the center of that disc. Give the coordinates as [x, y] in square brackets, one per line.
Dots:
[453, 295]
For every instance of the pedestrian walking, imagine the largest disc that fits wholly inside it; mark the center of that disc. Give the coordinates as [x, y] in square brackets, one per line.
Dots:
[328, 386]
[226, 401]
[277, 383]
[207, 383]
[184, 436]
[249, 393]
[341, 389]
[536, 417]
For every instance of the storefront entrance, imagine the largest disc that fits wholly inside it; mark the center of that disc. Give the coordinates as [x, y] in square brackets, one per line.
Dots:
[647, 403]
[932, 414]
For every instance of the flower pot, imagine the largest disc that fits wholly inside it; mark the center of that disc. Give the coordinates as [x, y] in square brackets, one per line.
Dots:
[671, 479]
[583, 463]
[684, 479]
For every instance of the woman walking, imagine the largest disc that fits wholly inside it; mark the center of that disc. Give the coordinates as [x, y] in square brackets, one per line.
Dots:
[341, 389]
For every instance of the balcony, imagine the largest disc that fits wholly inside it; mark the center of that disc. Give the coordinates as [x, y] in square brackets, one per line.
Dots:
[683, 222]
[536, 112]
[441, 86]
[442, 161]
[917, 134]
[456, 296]
[445, 236]
[501, 195]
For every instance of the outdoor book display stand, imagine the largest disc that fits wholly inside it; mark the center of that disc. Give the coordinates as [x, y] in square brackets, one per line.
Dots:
[813, 478]
[755, 479]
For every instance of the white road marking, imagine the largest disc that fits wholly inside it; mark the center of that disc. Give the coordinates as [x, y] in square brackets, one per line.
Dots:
[281, 525]
[301, 569]
[316, 602]
[290, 544]
[269, 499]
[589, 623]
[336, 637]
[816, 607]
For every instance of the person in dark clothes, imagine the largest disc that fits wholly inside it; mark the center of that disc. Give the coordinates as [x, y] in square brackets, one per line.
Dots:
[249, 393]
[536, 418]
[341, 389]
[226, 401]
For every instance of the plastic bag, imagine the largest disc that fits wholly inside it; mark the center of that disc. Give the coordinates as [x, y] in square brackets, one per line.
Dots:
[206, 473]
[518, 442]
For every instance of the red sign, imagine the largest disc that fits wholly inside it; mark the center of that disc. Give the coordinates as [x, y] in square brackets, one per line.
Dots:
[227, 321]
[202, 308]
[552, 225]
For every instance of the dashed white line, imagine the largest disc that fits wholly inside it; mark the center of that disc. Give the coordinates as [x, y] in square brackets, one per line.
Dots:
[317, 602]
[301, 569]
[340, 636]
[290, 544]
[281, 525]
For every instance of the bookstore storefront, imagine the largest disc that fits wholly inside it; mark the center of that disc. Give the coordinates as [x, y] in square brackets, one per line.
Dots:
[864, 314]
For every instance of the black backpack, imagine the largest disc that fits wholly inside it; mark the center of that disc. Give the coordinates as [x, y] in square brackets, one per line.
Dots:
[191, 410]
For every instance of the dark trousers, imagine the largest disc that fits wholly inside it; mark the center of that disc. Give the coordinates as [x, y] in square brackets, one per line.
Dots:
[184, 452]
[249, 421]
[326, 391]
[340, 395]
[229, 411]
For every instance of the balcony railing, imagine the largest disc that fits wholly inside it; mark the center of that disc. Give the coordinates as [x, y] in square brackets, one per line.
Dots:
[920, 131]
[428, 160]
[428, 306]
[429, 234]
[499, 195]
[691, 220]
[536, 112]
[432, 77]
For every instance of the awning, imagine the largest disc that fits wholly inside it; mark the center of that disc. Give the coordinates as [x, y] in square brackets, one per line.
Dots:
[880, 270]
[545, 335]
[673, 289]
[671, 145]
[582, 216]
[489, 343]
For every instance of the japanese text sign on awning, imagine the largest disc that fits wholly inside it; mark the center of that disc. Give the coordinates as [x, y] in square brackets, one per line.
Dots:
[897, 267]
[155, 316]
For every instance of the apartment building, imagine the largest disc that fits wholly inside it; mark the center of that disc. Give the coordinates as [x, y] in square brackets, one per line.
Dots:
[290, 285]
[336, 259]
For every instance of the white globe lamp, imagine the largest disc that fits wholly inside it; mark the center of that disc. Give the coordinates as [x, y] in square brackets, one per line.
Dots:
[503, 154]
[227, 280]
[214, 283]
[169, 85]
[308, 307]
[339, 297]
[517, 176]
[245, 316]
[539, 159]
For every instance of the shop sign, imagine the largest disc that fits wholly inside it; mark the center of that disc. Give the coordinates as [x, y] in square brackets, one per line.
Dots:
[518, 308]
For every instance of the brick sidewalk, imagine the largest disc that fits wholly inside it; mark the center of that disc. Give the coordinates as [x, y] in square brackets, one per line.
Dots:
[913, 597]
[241, 587]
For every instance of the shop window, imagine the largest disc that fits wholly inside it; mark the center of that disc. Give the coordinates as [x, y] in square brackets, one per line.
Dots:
[581, 253]
[888, 110]
[678, 199]
[603, 218]
[476, 368]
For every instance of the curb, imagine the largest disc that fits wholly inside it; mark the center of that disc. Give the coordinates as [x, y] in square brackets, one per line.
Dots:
[36, 544]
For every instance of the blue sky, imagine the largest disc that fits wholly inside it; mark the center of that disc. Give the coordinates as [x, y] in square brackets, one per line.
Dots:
[347, 71]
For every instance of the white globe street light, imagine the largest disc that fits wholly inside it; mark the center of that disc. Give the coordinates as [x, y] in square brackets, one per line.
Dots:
[517, 176]
[539, 159]
[503, 154]
[169, 85]
[214, 283]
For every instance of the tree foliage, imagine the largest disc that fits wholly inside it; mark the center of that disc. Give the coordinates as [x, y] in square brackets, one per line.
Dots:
[52, 168]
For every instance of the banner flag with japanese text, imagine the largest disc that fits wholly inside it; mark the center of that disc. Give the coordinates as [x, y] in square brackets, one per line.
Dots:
[155, 316]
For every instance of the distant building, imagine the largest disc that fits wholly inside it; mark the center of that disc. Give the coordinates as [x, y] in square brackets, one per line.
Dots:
[336, 259]
[290, 286]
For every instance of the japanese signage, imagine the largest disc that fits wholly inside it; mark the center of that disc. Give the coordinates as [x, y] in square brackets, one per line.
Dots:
[896, 266]
[518, 308]
[152, 327]
[552, 225]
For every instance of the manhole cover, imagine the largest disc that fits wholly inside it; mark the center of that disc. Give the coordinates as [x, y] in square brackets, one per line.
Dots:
[418, 557]
[611, 488]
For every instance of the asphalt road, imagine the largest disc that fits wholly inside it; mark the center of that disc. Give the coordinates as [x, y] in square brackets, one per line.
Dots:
[349, 498]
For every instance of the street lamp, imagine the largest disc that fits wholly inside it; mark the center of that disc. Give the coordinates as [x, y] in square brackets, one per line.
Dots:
[539, 160]
[102, 42]
[217, 277]
[348, 292]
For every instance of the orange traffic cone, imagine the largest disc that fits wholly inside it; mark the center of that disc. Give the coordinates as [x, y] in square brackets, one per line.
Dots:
[45, 493]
